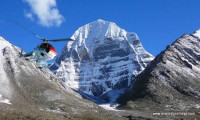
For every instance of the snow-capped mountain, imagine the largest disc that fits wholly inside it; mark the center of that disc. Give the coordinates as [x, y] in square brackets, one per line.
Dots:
[28, 92]
[171, 80]
[102, 58]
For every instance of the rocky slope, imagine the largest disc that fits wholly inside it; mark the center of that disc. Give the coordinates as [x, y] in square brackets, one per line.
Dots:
[27, 92]
[102, 58]
[171, 82]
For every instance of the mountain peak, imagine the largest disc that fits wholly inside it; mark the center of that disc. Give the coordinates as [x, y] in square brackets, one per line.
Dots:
[101, 21]
[99, 29]
[104, 22]
[103, 57]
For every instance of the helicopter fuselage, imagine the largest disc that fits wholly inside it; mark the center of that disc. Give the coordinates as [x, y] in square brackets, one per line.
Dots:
[45, 51]
[42, 52]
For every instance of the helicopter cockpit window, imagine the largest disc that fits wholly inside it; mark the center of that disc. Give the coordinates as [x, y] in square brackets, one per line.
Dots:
[45, 46]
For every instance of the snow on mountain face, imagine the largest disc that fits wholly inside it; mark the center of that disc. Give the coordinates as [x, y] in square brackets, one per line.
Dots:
[172, 78]
[197, 33]
[6, 88]
[102, 58]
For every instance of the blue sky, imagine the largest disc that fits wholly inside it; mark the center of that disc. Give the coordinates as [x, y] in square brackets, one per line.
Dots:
[157, 22]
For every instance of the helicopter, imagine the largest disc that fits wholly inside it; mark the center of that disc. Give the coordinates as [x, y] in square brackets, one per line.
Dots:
[44, 51]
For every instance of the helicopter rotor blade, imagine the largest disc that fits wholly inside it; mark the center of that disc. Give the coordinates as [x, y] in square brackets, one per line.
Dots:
[28, 30]
[41, 38]
[62, 39]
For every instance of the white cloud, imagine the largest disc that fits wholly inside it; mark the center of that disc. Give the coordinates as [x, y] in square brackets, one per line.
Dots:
[46, 12]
